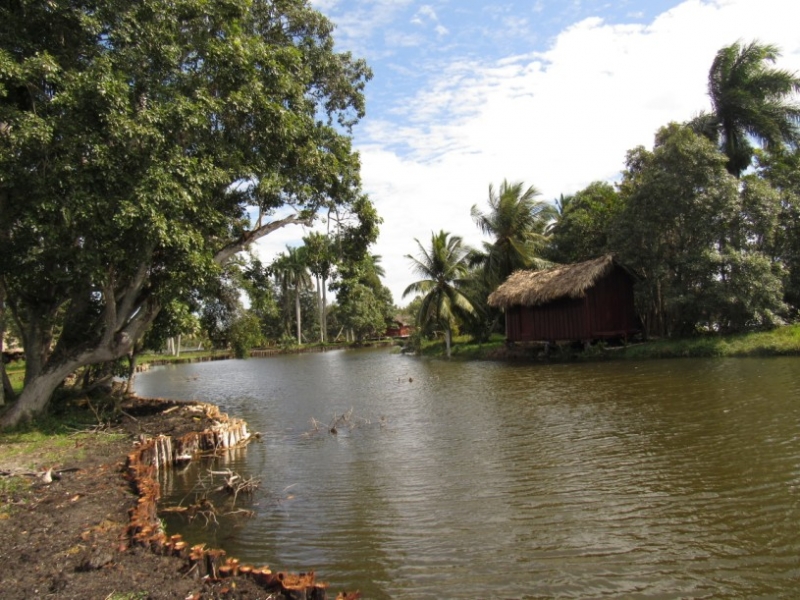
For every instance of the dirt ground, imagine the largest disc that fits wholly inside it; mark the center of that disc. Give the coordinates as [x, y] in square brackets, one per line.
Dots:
[67, 538]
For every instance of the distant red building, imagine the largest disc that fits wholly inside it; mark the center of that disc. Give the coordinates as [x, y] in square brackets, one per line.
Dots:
[398, 329]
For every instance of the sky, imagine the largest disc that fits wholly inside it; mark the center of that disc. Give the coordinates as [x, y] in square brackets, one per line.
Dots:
[549, 93]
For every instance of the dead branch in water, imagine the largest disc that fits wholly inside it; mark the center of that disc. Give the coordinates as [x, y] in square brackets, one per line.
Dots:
[235, 484]
[344, 422]
[203, 506]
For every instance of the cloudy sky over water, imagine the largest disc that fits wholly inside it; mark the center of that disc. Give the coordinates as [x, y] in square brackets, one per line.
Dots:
[467, 93]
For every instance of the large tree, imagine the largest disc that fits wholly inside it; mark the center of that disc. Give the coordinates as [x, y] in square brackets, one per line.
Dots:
[443, 268]
[362, 311]
[581, 231]
[363, 302]
[750, 101]
[691, 234]
[136, 138]
[779, 233]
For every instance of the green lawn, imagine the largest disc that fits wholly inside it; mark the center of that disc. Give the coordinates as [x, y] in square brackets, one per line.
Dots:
[780, 341]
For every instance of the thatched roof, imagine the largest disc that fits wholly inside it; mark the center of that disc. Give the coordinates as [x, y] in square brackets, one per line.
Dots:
[532, 288]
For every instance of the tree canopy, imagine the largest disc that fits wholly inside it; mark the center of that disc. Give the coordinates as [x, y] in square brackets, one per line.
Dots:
[749, 101]
[142, 145]
[516, 221]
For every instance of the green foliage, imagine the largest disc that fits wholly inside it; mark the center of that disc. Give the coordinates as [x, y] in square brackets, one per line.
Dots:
[288, 341]
[518, 225]
[781, 341]
[443, 269]
[176, 318]
[362, 312]
[320, 254]
[135, 140]
[582, 228]
[749, 101]
[464, 347]
[219, 312]
[245, 334]
[290, 270]
[781, 238]
[517, 222]
[681, 230]
[356, 234]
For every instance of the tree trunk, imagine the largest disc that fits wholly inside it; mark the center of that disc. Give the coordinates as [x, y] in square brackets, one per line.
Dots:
[36, 340]
[178, 345]
[2, 338]
[324, 307]
[297, 315]
[118, 342]
[131, 371]
[6, 391]
[3, 374]
[127, 314]
[36, 394]
[319, 308]
[447, 340]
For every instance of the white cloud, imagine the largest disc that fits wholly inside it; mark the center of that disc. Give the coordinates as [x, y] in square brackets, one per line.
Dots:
[425, 13]
[557, 119]
[324, 5]
[366, 18]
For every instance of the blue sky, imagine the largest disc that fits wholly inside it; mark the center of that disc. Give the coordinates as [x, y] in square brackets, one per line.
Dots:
[553, 94]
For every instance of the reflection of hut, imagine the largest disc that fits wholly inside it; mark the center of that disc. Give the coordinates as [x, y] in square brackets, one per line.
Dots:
[583, 301]
[397, 328]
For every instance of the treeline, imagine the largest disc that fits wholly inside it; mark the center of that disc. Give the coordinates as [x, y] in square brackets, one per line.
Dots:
[285, 302]
[708, 220]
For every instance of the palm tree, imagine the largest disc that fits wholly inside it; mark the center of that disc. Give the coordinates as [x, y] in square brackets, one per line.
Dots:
[518, 223]
[291, 272]
[372, 270]
[443, 269]
[320, 255]
[749, 101]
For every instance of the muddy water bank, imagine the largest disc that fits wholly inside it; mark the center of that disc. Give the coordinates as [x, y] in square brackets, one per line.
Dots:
[163, 452]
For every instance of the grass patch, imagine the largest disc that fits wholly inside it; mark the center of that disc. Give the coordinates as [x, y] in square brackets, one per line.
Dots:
[782, 341]
[13, 485]
[52, 439]
[16, 374]
[184, 357]
[463, 346]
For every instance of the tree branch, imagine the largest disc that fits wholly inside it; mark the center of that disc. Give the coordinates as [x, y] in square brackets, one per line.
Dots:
[247, 238]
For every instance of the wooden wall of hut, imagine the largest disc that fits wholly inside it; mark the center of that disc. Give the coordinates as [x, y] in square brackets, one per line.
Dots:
[606, 311]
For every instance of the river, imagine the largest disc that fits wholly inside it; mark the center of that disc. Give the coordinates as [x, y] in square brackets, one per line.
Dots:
[449, 479]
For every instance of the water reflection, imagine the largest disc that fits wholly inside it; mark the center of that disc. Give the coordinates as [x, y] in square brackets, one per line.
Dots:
[660, 479]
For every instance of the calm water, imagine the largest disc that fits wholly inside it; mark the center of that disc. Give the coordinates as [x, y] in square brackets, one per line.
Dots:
[663, 479]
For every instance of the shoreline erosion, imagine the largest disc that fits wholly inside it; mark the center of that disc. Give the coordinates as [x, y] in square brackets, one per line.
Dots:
[145, 528]
[93, 530]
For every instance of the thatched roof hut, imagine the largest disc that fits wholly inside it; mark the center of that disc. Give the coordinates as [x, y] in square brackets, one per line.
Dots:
[582, 301]
[532, 288]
